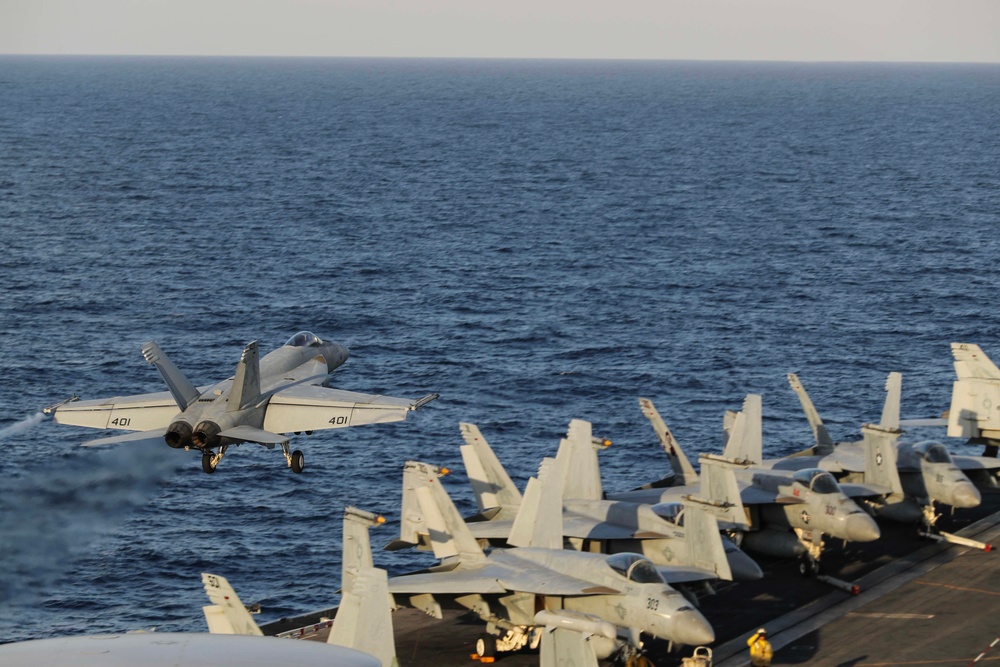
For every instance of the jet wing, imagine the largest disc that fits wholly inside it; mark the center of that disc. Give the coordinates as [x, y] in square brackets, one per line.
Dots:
[141, 412]
[573, 526]
[547, 582]
[453, 582]
[313, 408]
[976, 462]
[864, 490]
[752, 495]
[495, 578]
[683, 575]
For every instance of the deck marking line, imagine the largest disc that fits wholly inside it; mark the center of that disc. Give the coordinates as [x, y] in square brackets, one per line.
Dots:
[957, 588]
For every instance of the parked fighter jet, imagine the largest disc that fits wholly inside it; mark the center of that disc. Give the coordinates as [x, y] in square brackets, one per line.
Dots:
[684, 535]
[809, 501]
[286, 391]
[363, 621]
[509, 586]
[927, 473]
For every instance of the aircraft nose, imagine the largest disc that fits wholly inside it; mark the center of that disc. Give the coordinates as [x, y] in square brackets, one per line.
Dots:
[861, 528]
[965, 495]
[743, 567]
[693, 629]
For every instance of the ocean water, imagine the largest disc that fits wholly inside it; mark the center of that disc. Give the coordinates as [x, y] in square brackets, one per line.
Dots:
[537, 241]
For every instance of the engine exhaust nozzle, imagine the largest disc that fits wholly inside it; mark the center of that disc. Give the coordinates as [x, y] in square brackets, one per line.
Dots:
[206, 434]
[178, 435]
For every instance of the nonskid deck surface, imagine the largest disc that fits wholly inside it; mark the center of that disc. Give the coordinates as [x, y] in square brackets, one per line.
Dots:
[922, 603]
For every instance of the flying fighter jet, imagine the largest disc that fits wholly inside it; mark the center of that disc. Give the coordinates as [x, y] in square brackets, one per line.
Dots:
[789, 513]
[286, 391]
[591, 523]
[509, 586]
[928, 474]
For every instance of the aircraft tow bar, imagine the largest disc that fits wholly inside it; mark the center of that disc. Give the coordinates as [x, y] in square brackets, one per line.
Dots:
[853, 589]
[956, 539]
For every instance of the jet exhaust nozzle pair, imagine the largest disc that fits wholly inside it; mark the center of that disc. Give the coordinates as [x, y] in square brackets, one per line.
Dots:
[180, 434]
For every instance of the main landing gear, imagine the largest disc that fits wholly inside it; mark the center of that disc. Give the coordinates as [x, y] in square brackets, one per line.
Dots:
[210, 459]
[296, 460]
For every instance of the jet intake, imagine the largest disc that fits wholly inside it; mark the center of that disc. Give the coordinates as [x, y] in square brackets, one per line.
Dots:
[206, 434]
[178, 435]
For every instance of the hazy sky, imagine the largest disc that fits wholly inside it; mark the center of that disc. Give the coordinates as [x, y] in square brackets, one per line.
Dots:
[896, 30]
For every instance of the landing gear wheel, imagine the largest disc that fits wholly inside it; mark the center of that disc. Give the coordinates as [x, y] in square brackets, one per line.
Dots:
[486, 646]
[809, 567]
[298, 461]
[208, 462]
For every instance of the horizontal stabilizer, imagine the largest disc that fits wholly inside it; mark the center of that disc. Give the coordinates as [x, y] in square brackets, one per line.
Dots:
[932, 421]
[251, 434]
[131, 438]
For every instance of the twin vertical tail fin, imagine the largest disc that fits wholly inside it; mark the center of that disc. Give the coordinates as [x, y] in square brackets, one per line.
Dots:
[573, 639]
[578, 462]
[490, 482]
[246, 383]
[449, 536]
[746, 441]
[684, 472]
[824, 443]
[975, 397]
[893, 398]
[364, 618]
[880, 457]
[539, 521]
[720, 494]
[184, 393]
[226, 615]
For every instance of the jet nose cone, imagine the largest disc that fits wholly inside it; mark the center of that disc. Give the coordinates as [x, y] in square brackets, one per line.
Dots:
[965, 495]
[693, 629]
[743, 567]
[861, 528]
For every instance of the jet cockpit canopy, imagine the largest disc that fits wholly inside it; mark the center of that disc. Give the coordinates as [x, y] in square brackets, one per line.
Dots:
[304, 339]
[817, 480]
[635, 568]
[672, 512]
[932, 452]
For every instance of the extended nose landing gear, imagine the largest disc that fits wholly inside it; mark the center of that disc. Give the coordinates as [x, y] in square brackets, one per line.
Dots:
[809, 561]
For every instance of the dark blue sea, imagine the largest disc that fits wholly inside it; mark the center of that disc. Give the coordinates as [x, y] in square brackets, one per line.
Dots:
[537, 241]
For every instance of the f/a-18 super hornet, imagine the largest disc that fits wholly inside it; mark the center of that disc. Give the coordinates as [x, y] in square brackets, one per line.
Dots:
[284, 392]
[789, 513]
[925, 474]
[683, 535]
[508, 587]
